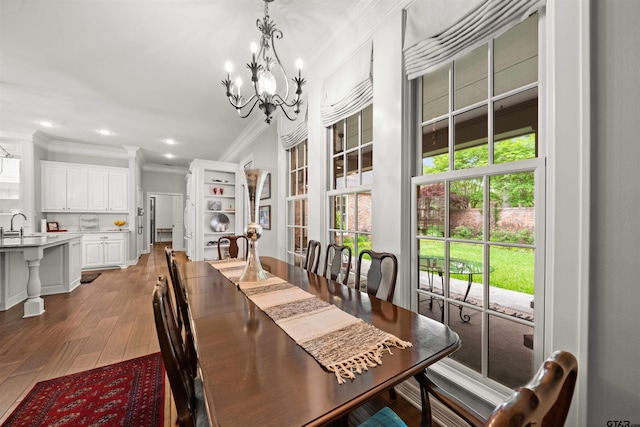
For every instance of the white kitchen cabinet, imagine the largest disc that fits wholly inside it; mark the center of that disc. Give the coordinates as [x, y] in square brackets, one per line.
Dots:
[217, 204]
[84, 188]
[103, 250]
[63, 188]
[108, 190]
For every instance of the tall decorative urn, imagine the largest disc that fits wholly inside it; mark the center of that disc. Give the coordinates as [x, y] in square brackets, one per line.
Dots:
[253, 271]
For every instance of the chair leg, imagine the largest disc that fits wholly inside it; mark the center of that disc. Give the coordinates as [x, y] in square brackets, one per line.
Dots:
[393, 394]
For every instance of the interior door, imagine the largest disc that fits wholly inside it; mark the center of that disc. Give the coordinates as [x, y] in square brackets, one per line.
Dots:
[177, 234]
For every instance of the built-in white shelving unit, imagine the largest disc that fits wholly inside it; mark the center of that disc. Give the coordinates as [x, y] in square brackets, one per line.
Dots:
[217, 205]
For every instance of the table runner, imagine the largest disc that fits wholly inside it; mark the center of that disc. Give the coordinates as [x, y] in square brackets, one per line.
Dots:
[340, 342]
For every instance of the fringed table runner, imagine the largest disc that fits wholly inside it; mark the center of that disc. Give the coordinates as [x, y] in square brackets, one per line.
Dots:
[340, 342]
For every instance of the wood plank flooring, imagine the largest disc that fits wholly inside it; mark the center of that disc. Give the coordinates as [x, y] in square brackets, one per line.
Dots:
[103, 322]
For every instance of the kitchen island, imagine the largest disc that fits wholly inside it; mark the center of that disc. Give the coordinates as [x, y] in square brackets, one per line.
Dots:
[36, 265]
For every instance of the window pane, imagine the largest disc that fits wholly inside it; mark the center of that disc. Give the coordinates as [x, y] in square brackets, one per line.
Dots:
[470, 78]
[465, 209]
[353, 131]
[466, 271]
[516, 127]
[512, 208]
[367, 165]
[10, 181]
[510, 358]
[367, 124]
[338, 137]
[305, 216]
[294, 158]
[512, 280]
[338, 172]
[364, 243]
[432, 267]
[297, 213]
[301, 182]
[431, 209]
[515, 60]
[364, 212]
[435, 151]
[353, 175]
[293, 179]
[470, 334]
[339, 213]
[300, 150]
[435, 94]
[470, 139]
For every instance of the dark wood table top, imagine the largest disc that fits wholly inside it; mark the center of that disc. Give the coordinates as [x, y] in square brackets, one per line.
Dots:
[254, 374]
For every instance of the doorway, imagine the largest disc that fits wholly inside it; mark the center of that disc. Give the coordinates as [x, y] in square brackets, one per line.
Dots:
[165, 219]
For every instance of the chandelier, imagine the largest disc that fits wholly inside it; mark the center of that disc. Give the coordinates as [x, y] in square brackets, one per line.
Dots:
[268, 78]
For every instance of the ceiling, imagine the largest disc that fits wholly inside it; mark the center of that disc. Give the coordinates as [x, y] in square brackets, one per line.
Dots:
[147, 70]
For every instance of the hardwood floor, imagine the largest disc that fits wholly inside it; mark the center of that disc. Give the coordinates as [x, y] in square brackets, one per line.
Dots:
[103, 322]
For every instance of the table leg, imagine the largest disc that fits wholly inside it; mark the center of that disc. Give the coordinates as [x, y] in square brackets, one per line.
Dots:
[465, 318]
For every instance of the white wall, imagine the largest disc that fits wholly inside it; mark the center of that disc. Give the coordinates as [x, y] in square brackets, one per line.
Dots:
[614, 347]
[264, 150]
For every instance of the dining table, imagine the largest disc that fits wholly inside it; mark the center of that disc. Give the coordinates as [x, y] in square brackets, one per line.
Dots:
[254, 374]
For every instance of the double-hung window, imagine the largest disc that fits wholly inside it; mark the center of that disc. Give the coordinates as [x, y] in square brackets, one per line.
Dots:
[351, 163]
[478, 205]
[297, 227]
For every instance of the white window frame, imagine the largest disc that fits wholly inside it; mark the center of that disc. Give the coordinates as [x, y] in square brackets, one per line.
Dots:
[293, 257]
[479, 383]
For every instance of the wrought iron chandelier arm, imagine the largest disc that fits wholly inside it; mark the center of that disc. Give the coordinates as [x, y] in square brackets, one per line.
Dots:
[252, 107]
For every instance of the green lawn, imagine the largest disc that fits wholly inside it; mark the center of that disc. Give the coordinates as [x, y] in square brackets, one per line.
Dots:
[512, 267]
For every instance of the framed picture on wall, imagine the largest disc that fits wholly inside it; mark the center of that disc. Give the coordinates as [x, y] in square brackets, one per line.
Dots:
[266, 189]
[265, 217]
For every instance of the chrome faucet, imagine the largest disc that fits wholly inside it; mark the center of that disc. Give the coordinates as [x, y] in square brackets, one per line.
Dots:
[14, 215]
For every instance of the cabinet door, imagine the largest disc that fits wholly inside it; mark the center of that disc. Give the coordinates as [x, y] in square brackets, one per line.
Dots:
[54, 188]
[114, 252]
[77, 189]
[98, 190]
[92, 254]
[118, 191]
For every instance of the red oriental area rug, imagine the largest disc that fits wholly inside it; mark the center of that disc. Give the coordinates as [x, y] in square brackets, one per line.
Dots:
[129, 393]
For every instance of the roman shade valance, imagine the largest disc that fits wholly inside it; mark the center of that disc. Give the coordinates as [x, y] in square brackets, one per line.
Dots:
[437, 32]
[294, 132]
[350, 88]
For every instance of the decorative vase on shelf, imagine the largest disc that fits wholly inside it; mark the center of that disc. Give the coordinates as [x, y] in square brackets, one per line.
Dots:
[253, 271]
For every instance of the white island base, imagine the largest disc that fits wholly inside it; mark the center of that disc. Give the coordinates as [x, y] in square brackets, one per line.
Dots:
[36, 266]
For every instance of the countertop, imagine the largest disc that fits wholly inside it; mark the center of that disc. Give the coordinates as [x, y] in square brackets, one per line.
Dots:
[50, 239]
[106, 230]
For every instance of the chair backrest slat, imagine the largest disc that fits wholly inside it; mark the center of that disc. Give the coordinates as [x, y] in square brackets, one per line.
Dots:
[375, 274]
[312, 259]
[234, 247]
[337, 261]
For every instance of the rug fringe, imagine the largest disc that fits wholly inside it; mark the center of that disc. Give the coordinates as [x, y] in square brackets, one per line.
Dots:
[345, 369]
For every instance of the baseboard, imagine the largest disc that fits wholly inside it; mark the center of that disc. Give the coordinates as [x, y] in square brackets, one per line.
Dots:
[442, 416]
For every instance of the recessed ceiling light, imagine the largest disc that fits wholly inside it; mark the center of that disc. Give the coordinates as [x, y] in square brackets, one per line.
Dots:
[169, 156]
[105, 132]
[170, 141]
[47, 124]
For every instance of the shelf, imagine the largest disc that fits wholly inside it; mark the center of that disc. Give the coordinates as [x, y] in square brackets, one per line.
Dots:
[218, 196]
[221, 211]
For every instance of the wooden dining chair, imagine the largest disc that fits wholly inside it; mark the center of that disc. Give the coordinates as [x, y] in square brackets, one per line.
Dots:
[170, 256]
[385, 417]
[378, 276]
[182, 303]
[544, 401]
[187, 392]
[234, 247]
[337, 263]
[312, 259]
